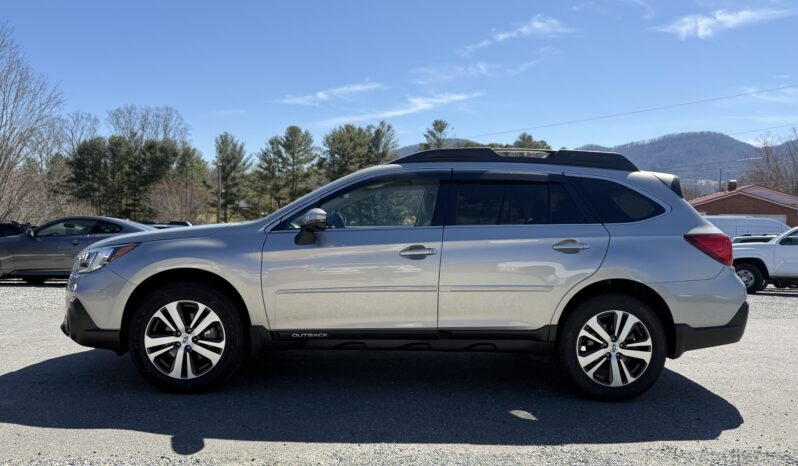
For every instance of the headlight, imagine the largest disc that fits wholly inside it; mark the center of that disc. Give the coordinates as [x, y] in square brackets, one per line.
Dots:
[93, 259]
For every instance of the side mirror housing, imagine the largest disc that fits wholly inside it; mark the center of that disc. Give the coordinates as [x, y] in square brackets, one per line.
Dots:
[313, 221]
[31, 233]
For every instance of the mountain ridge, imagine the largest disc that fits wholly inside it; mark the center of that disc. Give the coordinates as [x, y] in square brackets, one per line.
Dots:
[694, 156]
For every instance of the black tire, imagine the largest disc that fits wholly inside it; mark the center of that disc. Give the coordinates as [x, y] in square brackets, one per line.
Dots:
[756, 274]
[233, 330]
[567, 352]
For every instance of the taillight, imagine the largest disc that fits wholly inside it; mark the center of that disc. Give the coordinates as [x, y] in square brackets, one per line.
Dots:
[716, 245]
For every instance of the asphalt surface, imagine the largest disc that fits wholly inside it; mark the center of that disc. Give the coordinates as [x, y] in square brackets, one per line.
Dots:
[64, 404]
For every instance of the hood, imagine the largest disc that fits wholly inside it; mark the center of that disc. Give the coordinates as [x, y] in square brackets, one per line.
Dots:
[161, 235]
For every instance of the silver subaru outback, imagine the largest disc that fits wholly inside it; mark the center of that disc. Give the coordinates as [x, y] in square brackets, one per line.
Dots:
[577, 254]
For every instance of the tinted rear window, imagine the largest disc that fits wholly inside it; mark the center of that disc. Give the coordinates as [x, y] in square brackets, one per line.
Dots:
[104, 228]
[615, 203]
[514, 203]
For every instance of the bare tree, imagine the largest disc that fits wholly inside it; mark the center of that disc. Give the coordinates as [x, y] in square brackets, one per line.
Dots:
[78, 127]
[28, 104]
[777, 164]
[141, 123]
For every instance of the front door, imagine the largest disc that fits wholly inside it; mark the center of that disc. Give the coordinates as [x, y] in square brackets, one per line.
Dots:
[375, 267]
[512, 248]
[55, 246]
[786, 256]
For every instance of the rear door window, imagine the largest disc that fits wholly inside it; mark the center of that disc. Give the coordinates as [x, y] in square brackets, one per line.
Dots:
[105, 228]
[615, 203]
[513, 203]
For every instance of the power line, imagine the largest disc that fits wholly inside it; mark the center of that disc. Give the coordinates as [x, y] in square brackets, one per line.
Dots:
[636, 112]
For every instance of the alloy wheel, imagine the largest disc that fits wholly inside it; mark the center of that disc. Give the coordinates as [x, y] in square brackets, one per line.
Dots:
[184, 339]
[614, 348]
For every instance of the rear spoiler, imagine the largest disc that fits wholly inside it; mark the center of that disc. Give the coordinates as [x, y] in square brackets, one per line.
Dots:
[671, 181]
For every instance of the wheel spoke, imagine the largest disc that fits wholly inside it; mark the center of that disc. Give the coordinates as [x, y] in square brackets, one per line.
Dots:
[189, 368]
[626, 373]
[160, 315]
[159, 352]
[177, 367]
[200, 311]
[207, 321]
[585, 361]
[174, 313]
[152, 342]
[616, 372]
[592, 371]
[644, 355]
[215, 344]
[627, 327]
[210, 355]
[638, 344]
[594, 325]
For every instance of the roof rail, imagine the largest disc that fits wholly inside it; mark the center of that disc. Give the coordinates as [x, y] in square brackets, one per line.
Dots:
[576, 158]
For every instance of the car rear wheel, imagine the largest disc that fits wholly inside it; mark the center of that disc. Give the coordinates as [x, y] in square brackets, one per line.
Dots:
[612, 347]
[751, 277]
[187, 338]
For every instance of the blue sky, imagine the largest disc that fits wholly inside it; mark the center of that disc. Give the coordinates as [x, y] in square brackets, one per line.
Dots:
[252, 68]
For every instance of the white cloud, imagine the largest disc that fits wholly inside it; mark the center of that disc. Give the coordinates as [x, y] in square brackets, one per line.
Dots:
[317, 98]
[581, 6]
[540, 25]
[445, 73]
[704, 26]
[412, 105]
[785, 95]
[648, 10]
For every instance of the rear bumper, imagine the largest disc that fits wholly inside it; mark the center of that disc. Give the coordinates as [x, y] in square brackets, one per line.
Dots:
[79, 326]
[691, 338]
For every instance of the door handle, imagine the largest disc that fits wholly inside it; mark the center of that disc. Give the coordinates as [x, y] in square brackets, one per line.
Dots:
[570, 246]
[75, 242]
[417, 251]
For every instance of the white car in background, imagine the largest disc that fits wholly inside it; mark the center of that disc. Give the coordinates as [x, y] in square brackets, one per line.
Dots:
[739, 225]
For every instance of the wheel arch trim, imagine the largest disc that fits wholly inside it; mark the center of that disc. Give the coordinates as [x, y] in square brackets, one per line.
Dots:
[629, 287]
[176, 275]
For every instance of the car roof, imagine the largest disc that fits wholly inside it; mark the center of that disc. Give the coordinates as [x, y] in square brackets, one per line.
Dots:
[119, 221]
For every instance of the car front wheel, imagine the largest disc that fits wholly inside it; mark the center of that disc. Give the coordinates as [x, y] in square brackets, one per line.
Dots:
[612, 347]
[187, 338]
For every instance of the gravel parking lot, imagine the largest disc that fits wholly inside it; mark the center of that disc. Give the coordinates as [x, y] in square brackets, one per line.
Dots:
[64, 404]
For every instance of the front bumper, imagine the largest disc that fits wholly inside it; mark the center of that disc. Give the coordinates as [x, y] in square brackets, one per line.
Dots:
[79, 326]
[691, 338]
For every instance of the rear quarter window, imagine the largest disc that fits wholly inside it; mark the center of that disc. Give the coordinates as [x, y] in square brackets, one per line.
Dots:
[615, 203]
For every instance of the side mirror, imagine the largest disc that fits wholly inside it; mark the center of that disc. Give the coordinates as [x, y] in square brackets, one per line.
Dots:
[314, 220]
[31, 234]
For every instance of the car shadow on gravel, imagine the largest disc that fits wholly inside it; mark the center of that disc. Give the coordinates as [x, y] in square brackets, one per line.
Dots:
[361, 397]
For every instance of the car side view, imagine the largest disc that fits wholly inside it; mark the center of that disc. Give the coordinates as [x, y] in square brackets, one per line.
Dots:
[48, 251]
[577, 254]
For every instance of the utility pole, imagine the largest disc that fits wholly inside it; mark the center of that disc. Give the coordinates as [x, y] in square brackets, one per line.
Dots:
[720, 180]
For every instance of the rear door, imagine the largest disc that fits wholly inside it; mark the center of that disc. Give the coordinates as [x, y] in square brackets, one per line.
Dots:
[513, 245]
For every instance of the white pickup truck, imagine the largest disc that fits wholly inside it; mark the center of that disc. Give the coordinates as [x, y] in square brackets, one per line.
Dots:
[775, 261]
